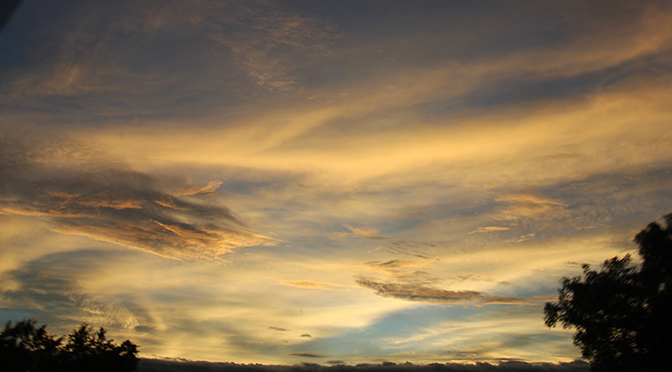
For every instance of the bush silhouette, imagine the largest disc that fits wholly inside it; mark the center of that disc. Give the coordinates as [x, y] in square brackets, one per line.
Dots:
[622, 313]
[26, 347]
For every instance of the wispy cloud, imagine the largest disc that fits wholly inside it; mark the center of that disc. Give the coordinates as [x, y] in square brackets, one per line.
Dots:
[307, 284]
[400, 269]
[265, 40]
[477, 277]
[360, 231]
[522, 205]
[61, 296]
[486, 229]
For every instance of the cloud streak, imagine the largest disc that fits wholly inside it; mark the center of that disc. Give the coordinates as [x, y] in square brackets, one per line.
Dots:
[422, 293]
[309, 355]
[307, 284]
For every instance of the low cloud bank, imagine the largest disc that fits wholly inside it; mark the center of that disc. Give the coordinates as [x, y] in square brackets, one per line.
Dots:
[155, 365]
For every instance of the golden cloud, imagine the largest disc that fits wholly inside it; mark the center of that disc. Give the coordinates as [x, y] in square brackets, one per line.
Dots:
[307, 284]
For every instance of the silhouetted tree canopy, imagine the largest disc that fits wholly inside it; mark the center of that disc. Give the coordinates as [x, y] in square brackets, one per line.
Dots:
[26, 347]
[622, 313]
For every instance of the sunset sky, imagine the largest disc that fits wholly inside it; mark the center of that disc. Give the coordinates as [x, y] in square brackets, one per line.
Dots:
[326, 181]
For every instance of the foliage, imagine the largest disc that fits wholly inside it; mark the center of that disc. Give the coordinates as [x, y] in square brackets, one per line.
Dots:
[622, 313]
[26, 347]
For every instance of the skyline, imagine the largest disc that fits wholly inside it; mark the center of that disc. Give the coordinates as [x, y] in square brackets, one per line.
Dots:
[329, 182]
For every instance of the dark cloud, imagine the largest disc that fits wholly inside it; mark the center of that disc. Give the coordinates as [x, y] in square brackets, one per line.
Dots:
[306, 335]
[387, 264]
[308, 355]
[155, 365]
[83, 193]
[115, 51]
[277, 329]
[422, 293]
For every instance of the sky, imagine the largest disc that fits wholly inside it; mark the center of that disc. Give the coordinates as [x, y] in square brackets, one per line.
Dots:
[333, 182]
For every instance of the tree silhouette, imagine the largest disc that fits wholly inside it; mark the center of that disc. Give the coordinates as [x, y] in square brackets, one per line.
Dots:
[26, 347]
[622, 313]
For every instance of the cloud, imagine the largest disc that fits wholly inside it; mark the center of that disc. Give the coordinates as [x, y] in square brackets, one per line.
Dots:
[397, 269]
[486, 278]
[266, 39]
[489, 229]
[83, 193]
[52, 290]
[421, 293]
[309, 355]
[111, 59]
[525, 205]
[277, 329]
[307, 284]
[411, 248]
[392, 264]
[360, 231]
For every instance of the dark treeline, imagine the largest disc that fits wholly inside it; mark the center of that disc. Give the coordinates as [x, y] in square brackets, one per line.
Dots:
[160, 365]
[26, 347]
